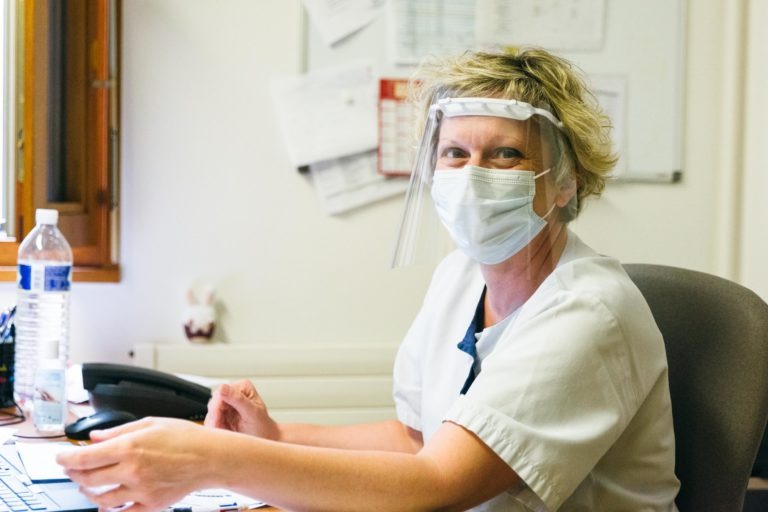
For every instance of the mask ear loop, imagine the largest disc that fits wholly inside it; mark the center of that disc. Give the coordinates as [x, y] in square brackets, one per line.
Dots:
[552, 208]
[549, 212]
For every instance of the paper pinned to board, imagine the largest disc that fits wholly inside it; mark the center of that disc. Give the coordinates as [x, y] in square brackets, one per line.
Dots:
[429, 27]
[352, 181]
[397, 119]
[336, 19]
[327, 113]
[554, 24]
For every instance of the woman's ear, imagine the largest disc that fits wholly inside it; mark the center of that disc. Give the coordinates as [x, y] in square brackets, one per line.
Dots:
[566, 193]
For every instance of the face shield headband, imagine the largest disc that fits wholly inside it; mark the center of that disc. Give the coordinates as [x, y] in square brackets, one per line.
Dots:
[421, 238]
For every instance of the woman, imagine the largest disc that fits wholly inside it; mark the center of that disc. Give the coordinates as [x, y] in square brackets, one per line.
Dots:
[533, 378]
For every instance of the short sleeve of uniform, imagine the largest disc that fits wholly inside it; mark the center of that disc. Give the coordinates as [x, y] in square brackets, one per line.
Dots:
[407, 377]
[559, 388]
[413, 354]
[408, 370]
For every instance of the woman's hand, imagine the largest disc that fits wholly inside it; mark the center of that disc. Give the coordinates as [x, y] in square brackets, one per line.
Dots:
[150, 463]
[238, 407]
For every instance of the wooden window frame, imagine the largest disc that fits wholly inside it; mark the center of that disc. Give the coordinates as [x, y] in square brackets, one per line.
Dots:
[89, 218]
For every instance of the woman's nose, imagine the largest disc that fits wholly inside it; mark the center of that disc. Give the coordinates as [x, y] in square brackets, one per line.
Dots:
[477, 160]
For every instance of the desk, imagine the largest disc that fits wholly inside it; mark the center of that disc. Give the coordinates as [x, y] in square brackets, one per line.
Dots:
[26, 432]
[755, 501]
[757, 495]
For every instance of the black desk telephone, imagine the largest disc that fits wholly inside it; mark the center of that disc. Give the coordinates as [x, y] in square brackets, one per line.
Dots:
[143, 392]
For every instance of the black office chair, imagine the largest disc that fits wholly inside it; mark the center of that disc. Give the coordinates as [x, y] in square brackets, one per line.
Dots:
[716, 336]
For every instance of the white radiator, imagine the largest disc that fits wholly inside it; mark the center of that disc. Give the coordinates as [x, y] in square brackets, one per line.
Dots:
[329, 384]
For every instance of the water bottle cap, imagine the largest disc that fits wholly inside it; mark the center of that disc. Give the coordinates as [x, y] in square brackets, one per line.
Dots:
[44, 216]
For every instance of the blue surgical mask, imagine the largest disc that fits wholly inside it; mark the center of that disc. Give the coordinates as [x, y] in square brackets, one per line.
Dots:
[488, 212]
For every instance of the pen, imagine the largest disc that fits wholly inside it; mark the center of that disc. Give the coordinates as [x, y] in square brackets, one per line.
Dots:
[198, 508]
[202, 508]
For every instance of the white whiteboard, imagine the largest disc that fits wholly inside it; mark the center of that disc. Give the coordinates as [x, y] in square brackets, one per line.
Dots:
[643, 48]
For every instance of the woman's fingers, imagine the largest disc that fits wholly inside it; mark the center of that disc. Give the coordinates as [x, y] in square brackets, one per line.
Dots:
[88, 457]
[117, 498]
[110, 433]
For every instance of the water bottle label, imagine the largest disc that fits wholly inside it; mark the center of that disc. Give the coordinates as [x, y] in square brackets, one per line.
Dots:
[45, 278]
[49, 398]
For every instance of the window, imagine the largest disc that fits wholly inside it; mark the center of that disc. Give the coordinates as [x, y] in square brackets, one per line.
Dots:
[62, 109]
[7, 101]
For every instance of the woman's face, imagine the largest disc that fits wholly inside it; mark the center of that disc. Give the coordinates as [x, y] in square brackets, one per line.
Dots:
[498, 143]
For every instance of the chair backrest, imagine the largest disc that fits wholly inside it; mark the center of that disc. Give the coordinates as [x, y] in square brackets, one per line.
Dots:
[716, 336]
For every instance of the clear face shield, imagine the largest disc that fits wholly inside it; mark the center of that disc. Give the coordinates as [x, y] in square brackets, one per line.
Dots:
[489, 176]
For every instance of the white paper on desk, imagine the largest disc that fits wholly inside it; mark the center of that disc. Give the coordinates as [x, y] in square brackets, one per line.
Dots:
[336, 19]
[352, 181]
[76, 393]
[429, 27]
[6, 433]
[39, 460]
[217, 499]
[554, 24]
[328, 113]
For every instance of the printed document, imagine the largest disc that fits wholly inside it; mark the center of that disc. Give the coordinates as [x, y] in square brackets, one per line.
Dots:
[336, 19]
[328, 113]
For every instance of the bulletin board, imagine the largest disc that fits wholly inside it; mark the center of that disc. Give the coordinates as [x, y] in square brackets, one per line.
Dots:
[637, 71]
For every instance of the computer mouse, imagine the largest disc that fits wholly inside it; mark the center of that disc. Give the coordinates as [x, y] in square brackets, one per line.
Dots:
[80, 430]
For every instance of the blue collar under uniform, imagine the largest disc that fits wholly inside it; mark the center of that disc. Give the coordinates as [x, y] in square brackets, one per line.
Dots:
[469, 343]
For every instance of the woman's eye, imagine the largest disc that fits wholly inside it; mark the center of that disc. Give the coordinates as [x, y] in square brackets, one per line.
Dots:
[508, 153]
[452, 153]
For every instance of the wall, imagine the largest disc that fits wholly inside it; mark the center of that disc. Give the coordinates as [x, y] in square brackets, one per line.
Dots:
[208, 194]
[754, 211]
[672, 224]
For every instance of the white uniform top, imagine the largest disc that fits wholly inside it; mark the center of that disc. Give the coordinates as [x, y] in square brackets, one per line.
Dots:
[572, 390]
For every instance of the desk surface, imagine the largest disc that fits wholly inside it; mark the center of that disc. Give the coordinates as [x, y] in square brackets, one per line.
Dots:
[27, 432]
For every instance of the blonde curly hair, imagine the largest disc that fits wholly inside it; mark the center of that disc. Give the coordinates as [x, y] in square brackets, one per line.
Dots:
[544, 80]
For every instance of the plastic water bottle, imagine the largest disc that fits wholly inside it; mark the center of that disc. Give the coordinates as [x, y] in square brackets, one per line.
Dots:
[49, 410]
[42, 306]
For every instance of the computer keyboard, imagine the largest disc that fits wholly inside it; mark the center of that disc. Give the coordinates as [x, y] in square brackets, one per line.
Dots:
[15, 496]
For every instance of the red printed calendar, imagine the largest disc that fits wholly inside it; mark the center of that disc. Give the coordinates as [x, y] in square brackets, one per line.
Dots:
[396, 128]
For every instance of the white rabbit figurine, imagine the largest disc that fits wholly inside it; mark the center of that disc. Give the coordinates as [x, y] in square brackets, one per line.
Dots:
[200, 316]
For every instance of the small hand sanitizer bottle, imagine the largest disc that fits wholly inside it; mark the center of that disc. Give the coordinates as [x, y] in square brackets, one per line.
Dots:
[49, 411]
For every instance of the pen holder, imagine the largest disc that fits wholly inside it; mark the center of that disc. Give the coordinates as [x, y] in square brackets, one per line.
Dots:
[6, 369]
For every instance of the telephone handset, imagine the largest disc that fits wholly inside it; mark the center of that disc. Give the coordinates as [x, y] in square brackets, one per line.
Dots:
[144, 392]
